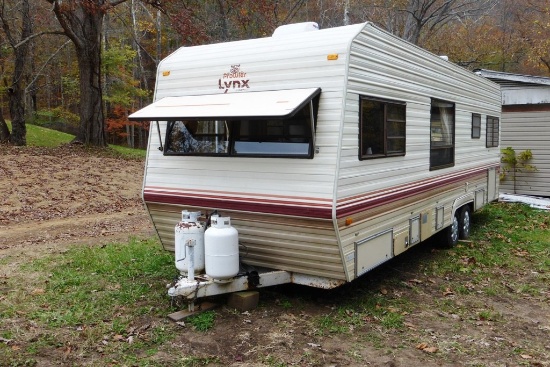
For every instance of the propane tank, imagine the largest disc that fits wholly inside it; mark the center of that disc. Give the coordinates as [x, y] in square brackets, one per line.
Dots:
[189, 232]
[221, 249]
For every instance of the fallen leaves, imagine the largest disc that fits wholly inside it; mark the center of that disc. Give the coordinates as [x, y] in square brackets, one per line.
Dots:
[426, 348]
[67, 181]
[129, 336]
[520, 252]
[448, 292]
[37, 291]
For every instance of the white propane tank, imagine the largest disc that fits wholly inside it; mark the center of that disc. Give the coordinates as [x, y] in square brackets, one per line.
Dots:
[221, 249]
[189, 229]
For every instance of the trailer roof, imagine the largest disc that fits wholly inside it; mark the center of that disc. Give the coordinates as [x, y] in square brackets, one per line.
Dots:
[277, 104]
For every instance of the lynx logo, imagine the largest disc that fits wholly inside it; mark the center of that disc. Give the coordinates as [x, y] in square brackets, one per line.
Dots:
[234, 80]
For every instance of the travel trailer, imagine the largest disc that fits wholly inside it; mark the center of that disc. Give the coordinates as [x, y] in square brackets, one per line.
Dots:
[316, 155]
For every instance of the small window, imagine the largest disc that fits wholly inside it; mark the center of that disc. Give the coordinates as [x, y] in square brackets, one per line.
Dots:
[492, 131]
[383, 128]
[476, 125]
[442, 134]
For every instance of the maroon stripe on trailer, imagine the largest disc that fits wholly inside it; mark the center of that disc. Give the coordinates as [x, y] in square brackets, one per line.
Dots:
[285, 205]
[241, 204]
[357, 204]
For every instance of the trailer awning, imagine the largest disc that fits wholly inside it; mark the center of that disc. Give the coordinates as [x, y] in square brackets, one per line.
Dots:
[244, 105]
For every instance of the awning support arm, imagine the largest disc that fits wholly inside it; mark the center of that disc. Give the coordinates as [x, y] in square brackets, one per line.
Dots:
[161, 148]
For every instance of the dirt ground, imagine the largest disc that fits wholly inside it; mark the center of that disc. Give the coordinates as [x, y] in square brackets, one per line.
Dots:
[52, 198]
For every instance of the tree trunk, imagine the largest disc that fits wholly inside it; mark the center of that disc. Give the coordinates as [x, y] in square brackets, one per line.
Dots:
[82, 23]
[16, 92]
[92, 119]
[4, 131]
[17, 112]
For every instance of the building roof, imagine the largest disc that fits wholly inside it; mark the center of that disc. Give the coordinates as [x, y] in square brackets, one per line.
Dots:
[502, 77]
[517, 89]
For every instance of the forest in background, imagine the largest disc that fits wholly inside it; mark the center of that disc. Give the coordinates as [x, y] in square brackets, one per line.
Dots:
[81, 66]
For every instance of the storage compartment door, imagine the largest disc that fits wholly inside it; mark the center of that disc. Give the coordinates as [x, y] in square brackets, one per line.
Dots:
[373, 251]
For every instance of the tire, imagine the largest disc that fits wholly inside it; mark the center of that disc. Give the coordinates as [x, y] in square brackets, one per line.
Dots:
[452, 232]
[465, 222]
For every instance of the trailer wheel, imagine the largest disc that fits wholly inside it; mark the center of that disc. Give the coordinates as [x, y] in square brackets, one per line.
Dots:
[452, 232]
[465, 222]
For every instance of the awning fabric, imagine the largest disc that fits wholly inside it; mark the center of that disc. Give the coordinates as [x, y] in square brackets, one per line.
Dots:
[243, 105]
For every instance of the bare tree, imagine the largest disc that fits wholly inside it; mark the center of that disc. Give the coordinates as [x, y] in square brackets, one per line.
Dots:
[430, 15]
[415, 19]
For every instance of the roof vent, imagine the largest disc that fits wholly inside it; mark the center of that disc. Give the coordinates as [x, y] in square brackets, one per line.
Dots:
[295, 28]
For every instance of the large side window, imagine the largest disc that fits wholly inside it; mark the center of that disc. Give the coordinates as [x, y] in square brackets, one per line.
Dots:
[442, 134]
[492, 131]
[382, 128]
[254, 137]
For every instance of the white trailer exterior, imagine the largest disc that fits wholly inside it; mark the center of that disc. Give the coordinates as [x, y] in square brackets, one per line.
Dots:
[389, 149]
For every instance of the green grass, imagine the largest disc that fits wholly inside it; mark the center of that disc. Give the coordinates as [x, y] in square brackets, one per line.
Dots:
[111, 275]
[203, 321]
[129, 152]
[38, 136]
[95, 294]
[356, 312]
[505, 236]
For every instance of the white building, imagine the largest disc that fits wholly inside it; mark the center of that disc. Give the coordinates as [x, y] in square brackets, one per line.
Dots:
[525, 125]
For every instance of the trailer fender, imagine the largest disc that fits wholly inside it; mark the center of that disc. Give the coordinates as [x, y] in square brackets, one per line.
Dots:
[461, 201]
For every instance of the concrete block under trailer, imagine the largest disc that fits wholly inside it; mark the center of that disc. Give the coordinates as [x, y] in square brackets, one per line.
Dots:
[306, 165]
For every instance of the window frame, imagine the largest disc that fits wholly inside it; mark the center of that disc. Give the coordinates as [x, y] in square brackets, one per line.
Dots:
[476, 126]
[303, 116]
[492, 131]
[363, 155]
[436, 148]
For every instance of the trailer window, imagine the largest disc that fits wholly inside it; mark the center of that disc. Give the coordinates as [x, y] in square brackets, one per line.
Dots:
[476, 125]
[382, 128]
[492, 131]
[197, 137]
[272, 137]
[254, 137]
[442, 134]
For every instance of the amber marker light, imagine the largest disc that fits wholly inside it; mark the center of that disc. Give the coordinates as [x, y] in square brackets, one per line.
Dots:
[349, 221]
[332, 57]
[165, 73]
